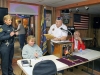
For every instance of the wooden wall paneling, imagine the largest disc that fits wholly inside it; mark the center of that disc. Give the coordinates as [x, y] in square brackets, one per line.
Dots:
[39, 26]
[90, 31]
[13, 21]
[83, 33]
[3, 3]
[58, 13]
[8, 2]
[53, 15]
[70, 20]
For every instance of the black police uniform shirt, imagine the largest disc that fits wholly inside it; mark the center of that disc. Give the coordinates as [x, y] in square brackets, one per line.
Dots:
[5, 31]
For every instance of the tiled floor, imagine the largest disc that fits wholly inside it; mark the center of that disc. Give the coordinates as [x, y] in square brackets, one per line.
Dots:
[17, 70]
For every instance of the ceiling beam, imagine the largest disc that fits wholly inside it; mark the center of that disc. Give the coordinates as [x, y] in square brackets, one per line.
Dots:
[19, 2]
[79, 4]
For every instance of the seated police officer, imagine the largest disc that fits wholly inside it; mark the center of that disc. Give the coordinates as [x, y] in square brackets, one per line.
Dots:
[7, 46]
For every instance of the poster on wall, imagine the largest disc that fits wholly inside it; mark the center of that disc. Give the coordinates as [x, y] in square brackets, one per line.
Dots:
[48, 19]
[65, 17]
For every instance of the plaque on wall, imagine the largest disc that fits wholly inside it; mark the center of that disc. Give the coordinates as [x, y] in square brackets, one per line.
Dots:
[65, 17]
[48, 18]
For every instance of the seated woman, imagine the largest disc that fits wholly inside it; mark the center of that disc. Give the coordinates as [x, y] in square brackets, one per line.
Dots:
[77, 41]
[31, 50]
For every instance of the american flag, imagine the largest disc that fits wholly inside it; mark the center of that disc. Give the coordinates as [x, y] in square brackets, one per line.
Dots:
[81, 21]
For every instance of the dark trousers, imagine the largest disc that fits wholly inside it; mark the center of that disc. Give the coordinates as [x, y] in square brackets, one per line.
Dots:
[21, 40]
[52, 49]
[7, 53]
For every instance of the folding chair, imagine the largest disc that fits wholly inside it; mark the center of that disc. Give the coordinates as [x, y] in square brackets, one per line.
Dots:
[45, 67]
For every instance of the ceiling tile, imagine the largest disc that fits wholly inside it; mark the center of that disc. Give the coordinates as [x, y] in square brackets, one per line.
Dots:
[65, 2]
[31, 1]
[54, 3]
[49, 2]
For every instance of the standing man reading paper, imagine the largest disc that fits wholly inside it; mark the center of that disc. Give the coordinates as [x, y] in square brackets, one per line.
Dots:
[55, 30]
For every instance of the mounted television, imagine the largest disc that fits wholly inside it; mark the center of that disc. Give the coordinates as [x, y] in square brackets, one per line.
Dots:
[96, 22]
[3, 12]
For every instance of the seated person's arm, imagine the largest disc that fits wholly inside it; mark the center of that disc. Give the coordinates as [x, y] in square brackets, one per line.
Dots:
[82, 46]
[39, 51]
[80, 40]
[25, 53]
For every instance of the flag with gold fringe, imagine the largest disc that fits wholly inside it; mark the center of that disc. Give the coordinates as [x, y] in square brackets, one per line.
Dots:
[43, 44]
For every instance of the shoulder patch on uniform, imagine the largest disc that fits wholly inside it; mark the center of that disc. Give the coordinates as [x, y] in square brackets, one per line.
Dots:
[1, 29]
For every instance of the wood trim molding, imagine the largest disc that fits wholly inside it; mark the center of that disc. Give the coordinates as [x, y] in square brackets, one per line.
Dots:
[24, 3]
[39, 26]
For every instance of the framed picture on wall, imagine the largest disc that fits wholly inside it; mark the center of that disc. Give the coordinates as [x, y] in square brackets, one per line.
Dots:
[48, 18]
[65, 17]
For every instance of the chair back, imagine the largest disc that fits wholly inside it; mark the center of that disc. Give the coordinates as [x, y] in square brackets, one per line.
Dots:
[45, 67]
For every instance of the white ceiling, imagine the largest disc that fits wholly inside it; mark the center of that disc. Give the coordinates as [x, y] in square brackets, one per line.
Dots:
[93, 9]
[53, 3]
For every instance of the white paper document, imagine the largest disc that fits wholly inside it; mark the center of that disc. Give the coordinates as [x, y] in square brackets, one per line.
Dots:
[38, 60]
[60, 41]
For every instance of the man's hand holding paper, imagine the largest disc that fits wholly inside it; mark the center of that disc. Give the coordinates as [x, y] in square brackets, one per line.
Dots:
[57, 39]
[49, 36]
